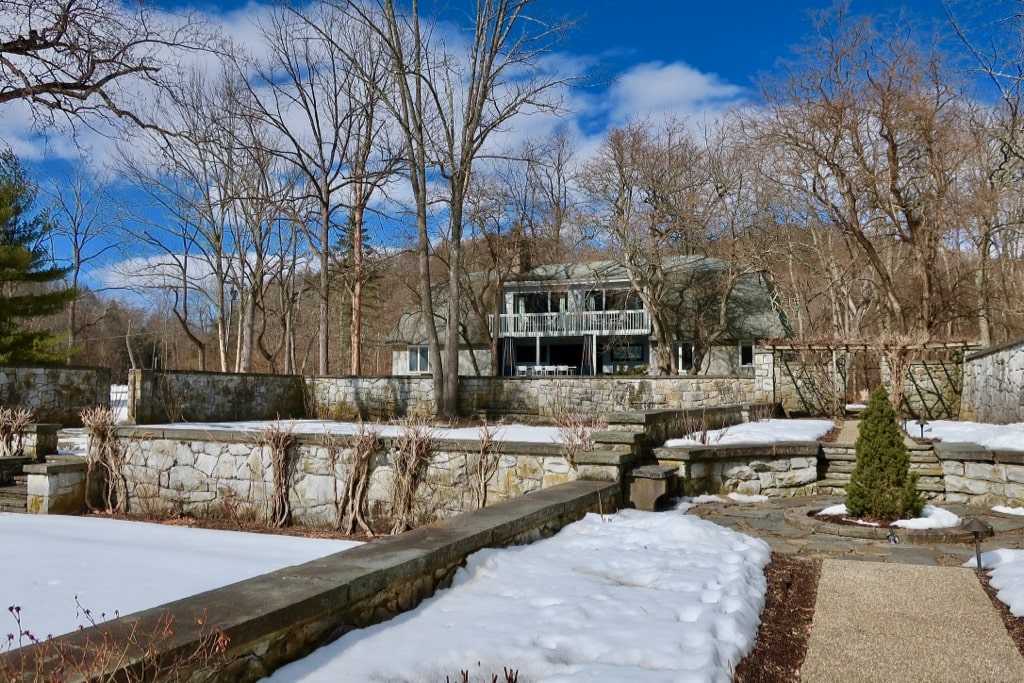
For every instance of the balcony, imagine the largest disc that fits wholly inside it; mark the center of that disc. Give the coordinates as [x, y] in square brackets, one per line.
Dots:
[574, 323]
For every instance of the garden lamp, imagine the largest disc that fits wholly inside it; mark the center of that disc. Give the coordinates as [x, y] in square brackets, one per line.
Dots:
[977, 527]
[921, 422]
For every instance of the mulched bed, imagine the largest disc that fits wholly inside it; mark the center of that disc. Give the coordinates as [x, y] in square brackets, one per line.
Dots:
[1014, 625]
[785, 622]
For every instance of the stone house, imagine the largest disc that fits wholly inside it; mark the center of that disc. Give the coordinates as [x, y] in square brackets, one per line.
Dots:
[587, 319]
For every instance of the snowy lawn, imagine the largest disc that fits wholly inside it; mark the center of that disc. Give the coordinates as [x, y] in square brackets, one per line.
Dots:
[635, 596]
[1005, 437]
[763, 432]
[931, 518]
[122, 566]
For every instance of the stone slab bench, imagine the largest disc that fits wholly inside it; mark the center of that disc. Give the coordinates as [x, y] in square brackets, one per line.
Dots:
[648, 484]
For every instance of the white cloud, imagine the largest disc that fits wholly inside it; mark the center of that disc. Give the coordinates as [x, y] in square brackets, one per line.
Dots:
[656, 89]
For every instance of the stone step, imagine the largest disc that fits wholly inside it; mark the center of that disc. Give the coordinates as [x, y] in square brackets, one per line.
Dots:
[14, 498]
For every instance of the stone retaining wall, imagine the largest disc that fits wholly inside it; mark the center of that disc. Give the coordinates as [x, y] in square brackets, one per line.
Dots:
[54, 394]
[993, 385]
[280, 617]
[227, 473]
[158, 396]
[184, 396]
[779, 470]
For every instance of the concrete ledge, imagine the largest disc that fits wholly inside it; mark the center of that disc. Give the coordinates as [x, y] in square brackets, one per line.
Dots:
[283, 616]
[803, 517]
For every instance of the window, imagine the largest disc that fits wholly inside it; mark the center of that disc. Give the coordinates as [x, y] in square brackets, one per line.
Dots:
[684, 356]
[628, 353]
[419, 359]
[746, 354]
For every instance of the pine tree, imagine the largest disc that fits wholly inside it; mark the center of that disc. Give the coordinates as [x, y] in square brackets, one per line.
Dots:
[882, 485]
[26, 277]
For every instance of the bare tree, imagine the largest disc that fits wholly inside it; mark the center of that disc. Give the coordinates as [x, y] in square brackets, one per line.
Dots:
[333, 132]
[91, 58]
[88, 221]
[871, 127]
[448, 103]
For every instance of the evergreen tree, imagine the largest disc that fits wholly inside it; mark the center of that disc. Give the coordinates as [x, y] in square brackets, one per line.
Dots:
[26, 276]
[882, 485]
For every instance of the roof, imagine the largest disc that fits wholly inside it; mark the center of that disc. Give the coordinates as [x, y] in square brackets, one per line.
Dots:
[608, 271]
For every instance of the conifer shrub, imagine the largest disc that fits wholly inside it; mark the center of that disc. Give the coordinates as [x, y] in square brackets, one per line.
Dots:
[882, 485]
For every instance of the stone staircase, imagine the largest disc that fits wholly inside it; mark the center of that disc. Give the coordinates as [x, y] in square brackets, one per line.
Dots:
[837, 462]
[14, 484]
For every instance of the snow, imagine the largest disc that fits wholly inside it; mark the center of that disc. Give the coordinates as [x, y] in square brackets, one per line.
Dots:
[631, 596]
[1006, 575]
[684, 503]
[1006, 510]
[743, 498]
[119, 402]
[123, 566]
[932, 517]
[762, 432]
[503, 432]
[1001, 437]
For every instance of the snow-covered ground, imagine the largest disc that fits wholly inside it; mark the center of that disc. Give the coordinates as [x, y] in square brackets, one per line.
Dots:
[1005, 437]
[635, 596]
[932, 517]
[122, 566]
[1006, 574]
[762, 432]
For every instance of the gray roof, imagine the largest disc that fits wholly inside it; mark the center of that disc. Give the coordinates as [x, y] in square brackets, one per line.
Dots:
[607, 271]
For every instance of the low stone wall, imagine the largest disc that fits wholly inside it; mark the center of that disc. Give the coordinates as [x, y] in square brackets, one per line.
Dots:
[979, 476]
[157, 396]
[54, 394]
[993, 385]
[280, 617]
[779, 470]
[56, 486]
[183, 396]
[933, 389]
[533, 397]
[226, 473]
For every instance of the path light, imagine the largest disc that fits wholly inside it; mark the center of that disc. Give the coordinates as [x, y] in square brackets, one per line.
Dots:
[921, 422]
[977, 527]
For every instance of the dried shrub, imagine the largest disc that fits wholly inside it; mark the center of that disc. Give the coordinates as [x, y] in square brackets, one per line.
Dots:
[509, 676]
[410, 455]
[278, 440]
[483, 465]
[105, 656]
[13, 422]
[574, 435]
[352, 504]
[105, 460]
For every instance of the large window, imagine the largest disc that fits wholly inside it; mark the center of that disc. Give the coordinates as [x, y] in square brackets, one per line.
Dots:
[419, 359]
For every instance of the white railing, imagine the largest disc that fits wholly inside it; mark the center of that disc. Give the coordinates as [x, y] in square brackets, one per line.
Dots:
[574, 323]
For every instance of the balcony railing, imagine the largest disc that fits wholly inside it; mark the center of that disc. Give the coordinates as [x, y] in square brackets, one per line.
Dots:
[574, 323]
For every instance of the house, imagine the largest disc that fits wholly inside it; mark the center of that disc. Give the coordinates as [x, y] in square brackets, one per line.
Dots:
[587, 319]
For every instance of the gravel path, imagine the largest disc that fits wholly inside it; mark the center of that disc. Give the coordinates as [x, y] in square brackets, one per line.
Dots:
[895, 622]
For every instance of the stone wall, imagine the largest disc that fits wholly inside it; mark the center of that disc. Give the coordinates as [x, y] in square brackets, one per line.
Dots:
[779, 470]
[157, 397]
[534, 397]
[54, 394]
[182, 396]
[230, 473]
[993, 385]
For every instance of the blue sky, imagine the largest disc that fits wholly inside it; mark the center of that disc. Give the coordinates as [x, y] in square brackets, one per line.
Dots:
[645, 57]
